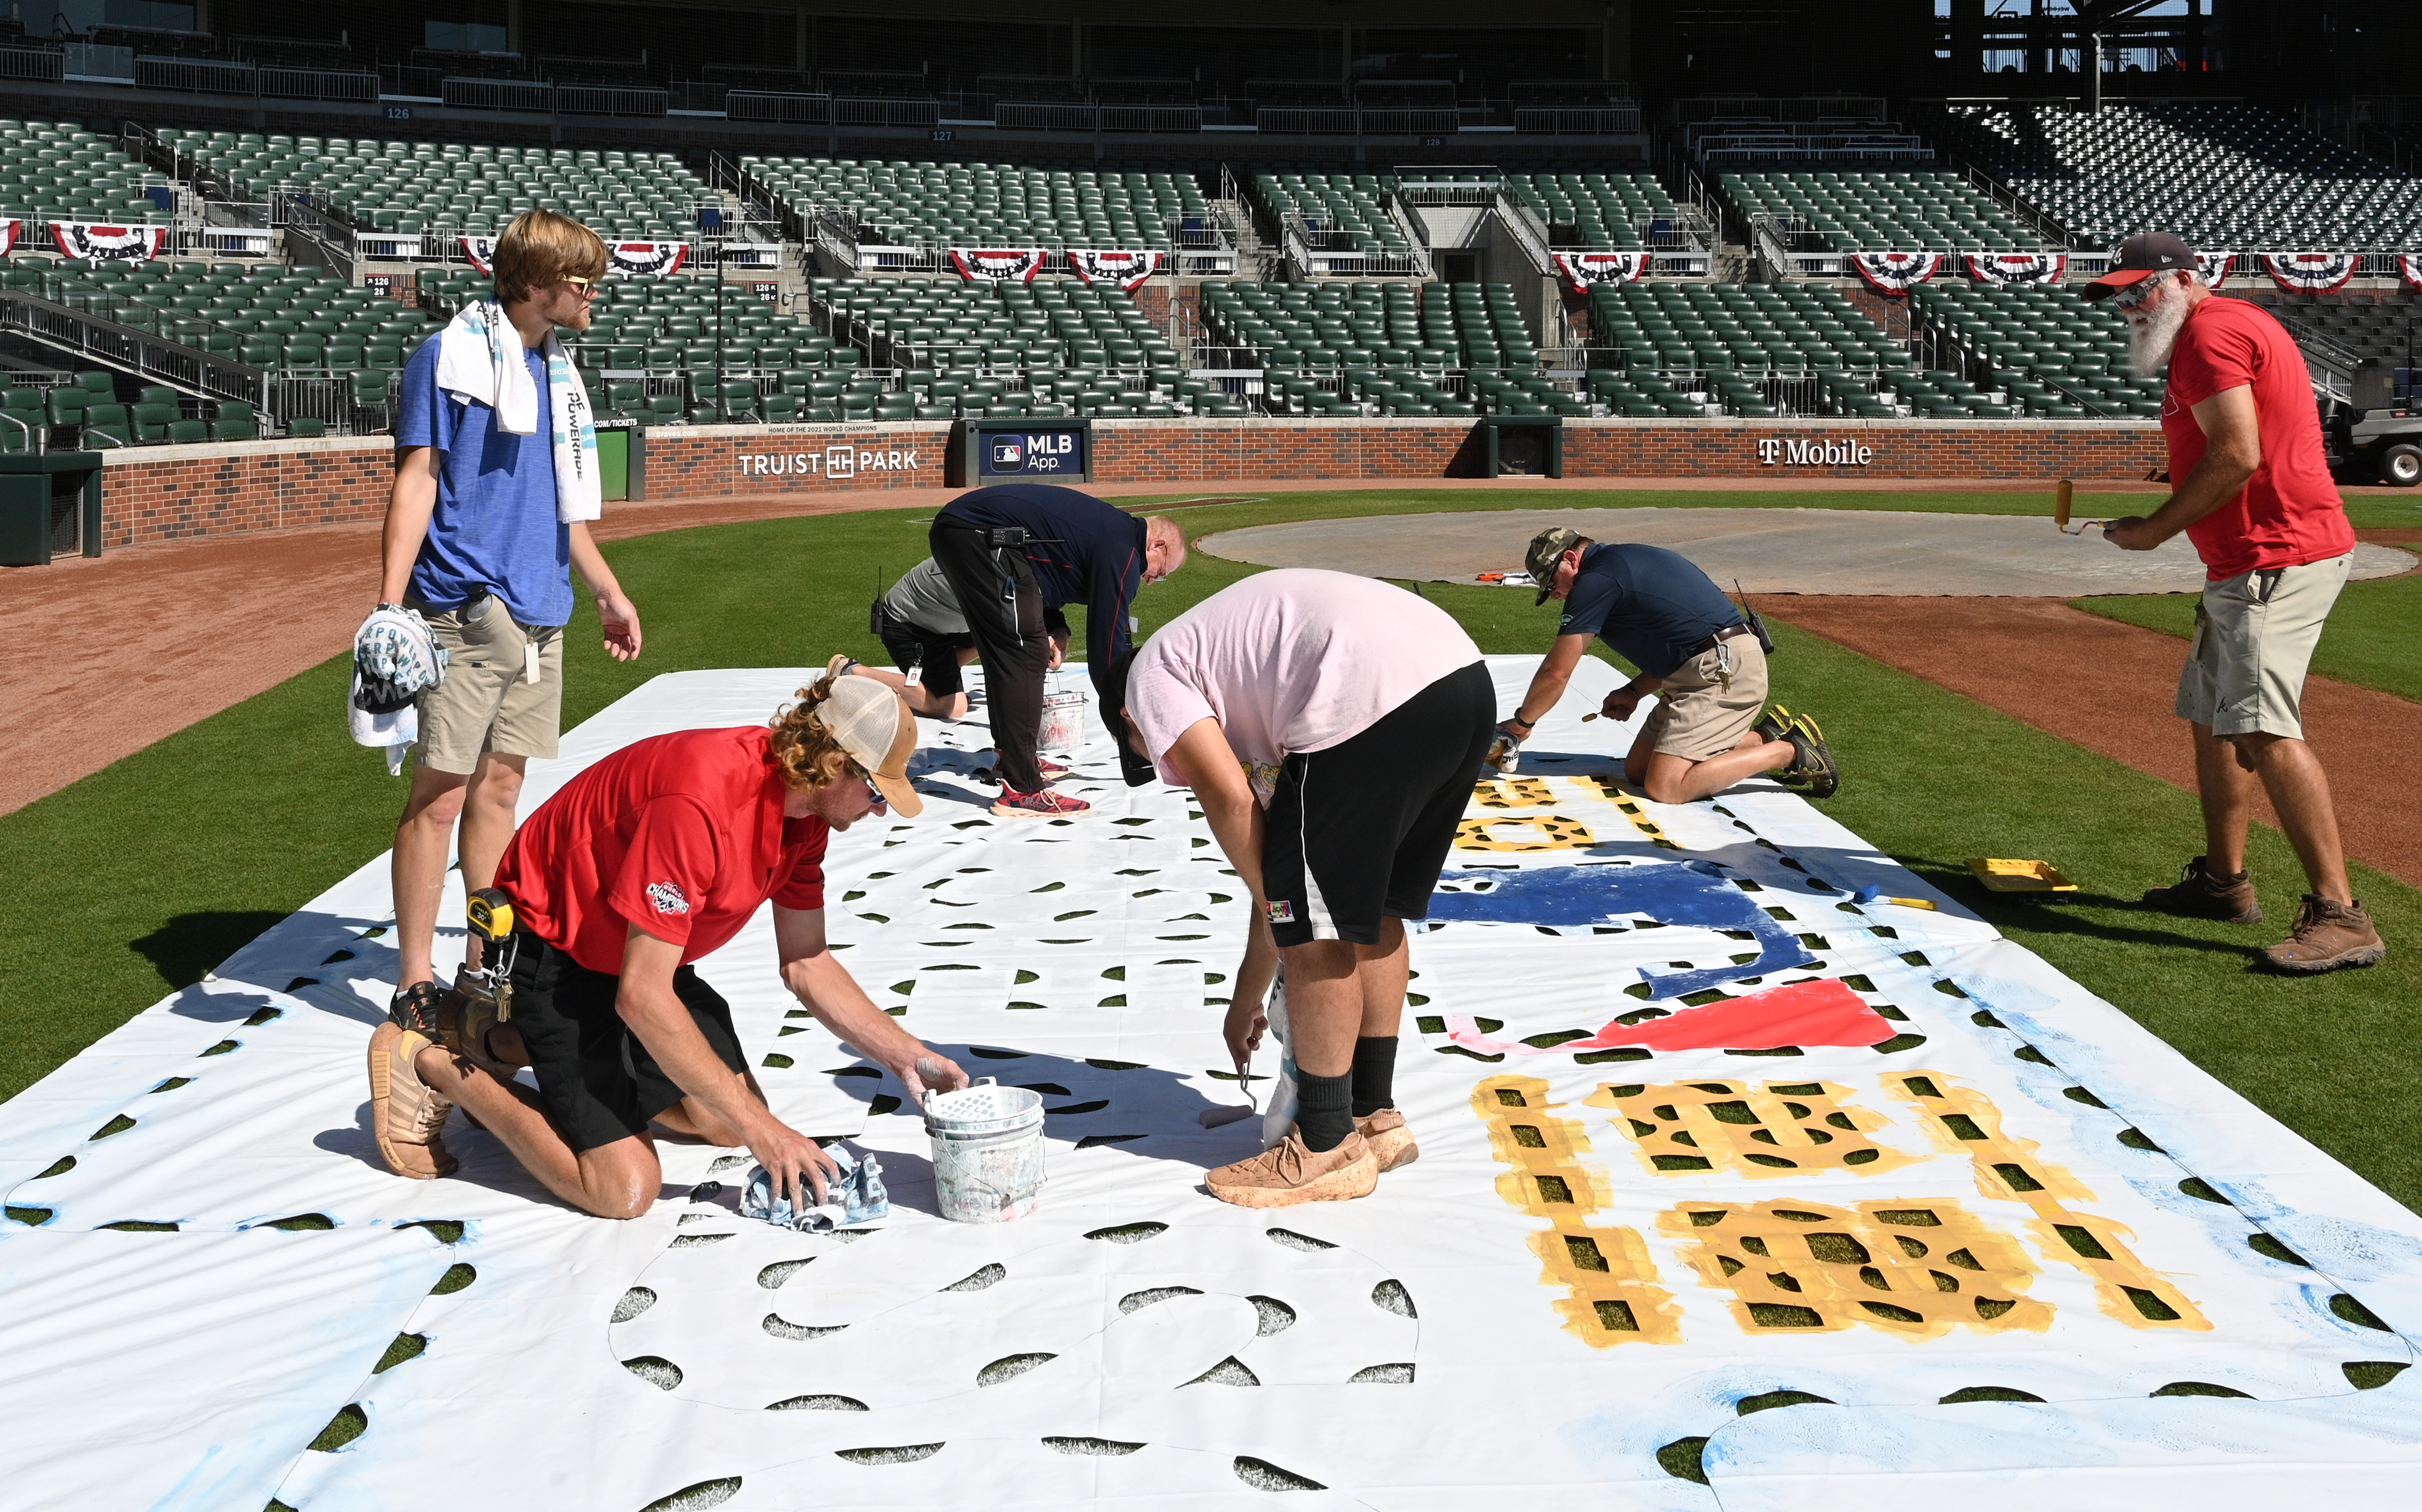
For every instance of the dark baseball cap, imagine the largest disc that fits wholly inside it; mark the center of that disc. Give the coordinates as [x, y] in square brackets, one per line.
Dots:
[1547, 549]
[2143, 255]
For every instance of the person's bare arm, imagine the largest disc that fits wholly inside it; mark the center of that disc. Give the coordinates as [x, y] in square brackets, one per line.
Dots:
[826, 988]
[648, 1004]
[2232, 433]
[1206, 762]
[409, 502]
[1623, 700]
[1547, 684]
[619, 620]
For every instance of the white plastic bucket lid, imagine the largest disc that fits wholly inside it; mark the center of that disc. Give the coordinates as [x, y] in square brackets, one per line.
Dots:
[981, 1103]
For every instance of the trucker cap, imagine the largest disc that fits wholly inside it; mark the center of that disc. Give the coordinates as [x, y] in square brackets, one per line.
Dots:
[874, 725]
[2142, 256]
[1546, 549]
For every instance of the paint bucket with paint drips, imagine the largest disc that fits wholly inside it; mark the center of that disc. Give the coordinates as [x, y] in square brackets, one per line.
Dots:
[987, 1144]
[1063, 719]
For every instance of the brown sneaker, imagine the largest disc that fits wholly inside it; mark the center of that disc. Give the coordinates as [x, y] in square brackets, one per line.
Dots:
[2199, 895]
[1391, 1139]
[405, 1112]
[2329, 936]
[1289, 1174]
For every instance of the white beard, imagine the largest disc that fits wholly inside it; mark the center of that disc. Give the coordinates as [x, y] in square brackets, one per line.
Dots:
[2150, 344]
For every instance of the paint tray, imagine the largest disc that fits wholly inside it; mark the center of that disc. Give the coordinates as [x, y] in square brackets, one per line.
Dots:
[2001, 876]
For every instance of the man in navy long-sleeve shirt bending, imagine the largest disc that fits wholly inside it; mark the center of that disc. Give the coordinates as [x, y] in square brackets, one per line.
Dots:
[1073, 549]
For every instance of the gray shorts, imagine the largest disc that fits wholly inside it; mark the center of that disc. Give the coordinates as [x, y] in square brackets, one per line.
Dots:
[2254, 637]
[487, 702]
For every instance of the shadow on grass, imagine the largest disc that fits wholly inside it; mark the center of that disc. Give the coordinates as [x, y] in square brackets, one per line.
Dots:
[188, 944]
[2053, 914]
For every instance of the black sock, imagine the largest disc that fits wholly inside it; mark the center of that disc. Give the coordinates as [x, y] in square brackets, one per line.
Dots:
[1374, 1074]
[1324, 1112]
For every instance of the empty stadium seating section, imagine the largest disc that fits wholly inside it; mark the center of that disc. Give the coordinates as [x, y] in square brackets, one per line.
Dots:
[471, 189]
[1344, 205]
[2227, 178]
[52, 171]
[1882, 211]
[2051, 352]
[988, 205]
[1594, 211]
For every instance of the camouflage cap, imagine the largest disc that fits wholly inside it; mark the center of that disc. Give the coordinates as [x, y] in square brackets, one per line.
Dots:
[1546, 549]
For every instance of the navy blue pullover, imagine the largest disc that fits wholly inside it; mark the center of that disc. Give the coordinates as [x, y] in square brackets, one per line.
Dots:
[1085, 552]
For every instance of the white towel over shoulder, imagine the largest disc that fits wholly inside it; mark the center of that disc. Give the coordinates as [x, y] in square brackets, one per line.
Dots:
[479, 357]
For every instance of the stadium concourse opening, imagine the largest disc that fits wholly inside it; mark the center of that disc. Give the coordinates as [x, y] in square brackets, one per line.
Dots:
[1764, 1149]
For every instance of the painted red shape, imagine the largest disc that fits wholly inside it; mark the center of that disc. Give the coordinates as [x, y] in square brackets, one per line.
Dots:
[1803, 1013]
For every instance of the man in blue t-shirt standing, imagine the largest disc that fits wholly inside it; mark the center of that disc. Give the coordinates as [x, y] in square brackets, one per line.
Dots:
[477, 544]
[1694, 650]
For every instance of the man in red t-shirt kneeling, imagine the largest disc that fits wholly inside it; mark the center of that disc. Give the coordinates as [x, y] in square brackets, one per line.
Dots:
[649, 859]
[2251, 488]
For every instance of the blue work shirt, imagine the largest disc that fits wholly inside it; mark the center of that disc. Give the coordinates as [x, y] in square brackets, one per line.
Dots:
[1650, 604]
[493, 528]
[1085, 552]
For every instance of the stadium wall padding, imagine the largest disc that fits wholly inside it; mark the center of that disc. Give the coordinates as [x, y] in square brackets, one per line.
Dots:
[169, 492]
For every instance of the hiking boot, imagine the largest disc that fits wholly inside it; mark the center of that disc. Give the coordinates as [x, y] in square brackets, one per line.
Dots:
[415, 1007]
[406, 1112]
[2199, 893]
[1772, 725]
[1391, 1139]
[1289, 1172]
[2329, 936]
[1812, 768]
[1043, 804]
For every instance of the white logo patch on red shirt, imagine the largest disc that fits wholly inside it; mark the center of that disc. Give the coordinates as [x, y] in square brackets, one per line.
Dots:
[667, 898]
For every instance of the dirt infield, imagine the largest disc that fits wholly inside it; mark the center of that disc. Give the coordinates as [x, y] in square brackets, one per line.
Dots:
[2108, 687]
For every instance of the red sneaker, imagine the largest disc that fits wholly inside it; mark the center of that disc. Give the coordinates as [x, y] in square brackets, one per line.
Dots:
[1043, 804]
[1052, 770]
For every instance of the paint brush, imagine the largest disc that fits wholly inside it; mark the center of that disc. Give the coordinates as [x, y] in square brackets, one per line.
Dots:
[1870, 895]
[1213, 1118]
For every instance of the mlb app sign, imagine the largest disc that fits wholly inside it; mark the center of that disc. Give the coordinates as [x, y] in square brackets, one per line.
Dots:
[1040, 453]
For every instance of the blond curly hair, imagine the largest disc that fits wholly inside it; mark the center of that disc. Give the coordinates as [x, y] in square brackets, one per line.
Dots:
[804, 752]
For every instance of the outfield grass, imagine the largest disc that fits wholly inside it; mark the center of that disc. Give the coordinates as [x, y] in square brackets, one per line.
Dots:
[167, 860]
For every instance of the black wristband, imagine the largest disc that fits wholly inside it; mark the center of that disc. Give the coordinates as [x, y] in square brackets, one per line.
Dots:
[1526, 723]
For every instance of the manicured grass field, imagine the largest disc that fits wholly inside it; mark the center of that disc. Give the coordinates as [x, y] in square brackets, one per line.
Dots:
[162, 865]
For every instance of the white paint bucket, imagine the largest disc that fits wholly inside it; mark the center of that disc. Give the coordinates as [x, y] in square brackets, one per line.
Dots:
[1063, 720]
[987, 1144]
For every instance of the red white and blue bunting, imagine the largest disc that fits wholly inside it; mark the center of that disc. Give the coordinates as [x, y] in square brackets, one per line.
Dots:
[2311, 273]
[2012, 269]
[2409, 265]
[479, 251]
[639, 259]
[1125, 269]
[2215, 266]
[9, 230]
[1584, 270]
[1895, 272]
[993, 265]
[109, 243]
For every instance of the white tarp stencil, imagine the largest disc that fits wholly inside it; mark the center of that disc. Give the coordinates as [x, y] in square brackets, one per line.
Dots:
[1701, 1139]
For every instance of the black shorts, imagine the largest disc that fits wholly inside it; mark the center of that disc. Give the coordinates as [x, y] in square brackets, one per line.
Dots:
[1359, 831]
[597, 1079]
[912, 646]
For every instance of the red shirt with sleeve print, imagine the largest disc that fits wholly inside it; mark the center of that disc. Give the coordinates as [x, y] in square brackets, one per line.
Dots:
[2288, 514]
[682, 835]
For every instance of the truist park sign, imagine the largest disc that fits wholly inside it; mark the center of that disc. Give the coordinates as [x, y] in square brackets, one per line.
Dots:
[1814, 453]
[832, 464]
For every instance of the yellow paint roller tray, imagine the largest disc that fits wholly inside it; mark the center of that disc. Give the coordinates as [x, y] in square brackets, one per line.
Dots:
[2021, 876]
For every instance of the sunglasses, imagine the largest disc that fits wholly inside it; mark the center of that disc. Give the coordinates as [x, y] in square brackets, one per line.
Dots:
[585, 287]
[874, 795]
[2134, 295]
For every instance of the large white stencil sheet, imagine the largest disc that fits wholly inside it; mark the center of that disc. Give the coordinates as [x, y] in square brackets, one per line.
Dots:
[1454, 1337]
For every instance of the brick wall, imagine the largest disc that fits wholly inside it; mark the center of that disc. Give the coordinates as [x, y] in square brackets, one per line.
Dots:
[1892, 448]
[171, 493]
[726, 461]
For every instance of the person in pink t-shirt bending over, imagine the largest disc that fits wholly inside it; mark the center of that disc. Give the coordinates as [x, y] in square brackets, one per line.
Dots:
[1330, 726]
[2251, 488]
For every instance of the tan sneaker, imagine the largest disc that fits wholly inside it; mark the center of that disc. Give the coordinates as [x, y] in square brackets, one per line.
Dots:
[405, 1112]
[1389, 1137]
[1289, 1174]
[2329, 936]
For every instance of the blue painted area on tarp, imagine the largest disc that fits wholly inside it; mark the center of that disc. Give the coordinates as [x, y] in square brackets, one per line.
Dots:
[1578, 896]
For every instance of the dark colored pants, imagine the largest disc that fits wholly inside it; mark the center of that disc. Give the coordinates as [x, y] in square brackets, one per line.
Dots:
[997, 591]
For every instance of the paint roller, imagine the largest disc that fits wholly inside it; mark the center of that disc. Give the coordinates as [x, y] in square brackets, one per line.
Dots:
[2061, 494]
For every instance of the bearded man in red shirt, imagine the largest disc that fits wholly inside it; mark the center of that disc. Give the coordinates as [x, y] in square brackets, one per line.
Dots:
[650, 858]
[2252, 489]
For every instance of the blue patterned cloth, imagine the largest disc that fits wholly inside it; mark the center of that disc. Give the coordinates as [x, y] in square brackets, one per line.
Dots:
[855, 1196]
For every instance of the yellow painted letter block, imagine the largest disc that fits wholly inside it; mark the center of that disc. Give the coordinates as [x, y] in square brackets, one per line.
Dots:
[1915, 1268]
[1747, 1127]
[1547, 831]
[1611, 1296]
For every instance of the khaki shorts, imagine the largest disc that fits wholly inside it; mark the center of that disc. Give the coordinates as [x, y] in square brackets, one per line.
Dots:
[1698, 715]
[486, 702]
[2254, 637]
